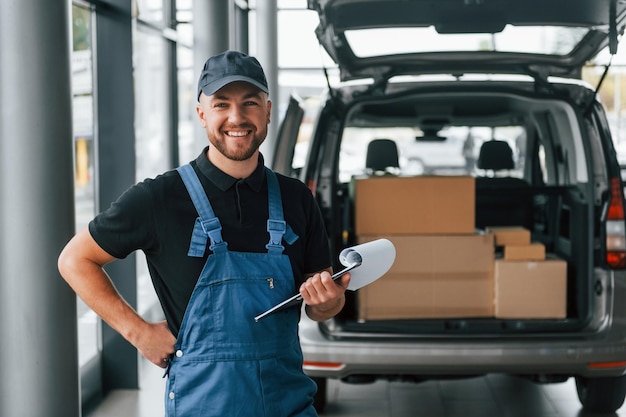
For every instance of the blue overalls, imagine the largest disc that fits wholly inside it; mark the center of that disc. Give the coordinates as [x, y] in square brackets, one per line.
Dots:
[225, 363]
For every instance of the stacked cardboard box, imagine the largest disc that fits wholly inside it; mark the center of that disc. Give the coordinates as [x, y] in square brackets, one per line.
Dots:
[530, 252]
[443, 268]
[433, 276]
[509, 235]
[414, 205]
[527, 285]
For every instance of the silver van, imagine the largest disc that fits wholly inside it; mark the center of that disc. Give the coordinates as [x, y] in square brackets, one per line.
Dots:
[492, 91]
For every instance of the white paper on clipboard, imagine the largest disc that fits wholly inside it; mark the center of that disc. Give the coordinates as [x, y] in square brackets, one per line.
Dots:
[366, 262]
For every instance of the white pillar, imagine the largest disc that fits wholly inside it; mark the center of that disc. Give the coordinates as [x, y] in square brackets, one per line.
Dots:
[267, 54]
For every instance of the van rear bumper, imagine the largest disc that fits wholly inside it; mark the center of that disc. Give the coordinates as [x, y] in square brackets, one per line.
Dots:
[341, 358]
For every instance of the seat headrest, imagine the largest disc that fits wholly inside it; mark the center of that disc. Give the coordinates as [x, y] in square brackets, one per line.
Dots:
[495, 155]
[382, 154]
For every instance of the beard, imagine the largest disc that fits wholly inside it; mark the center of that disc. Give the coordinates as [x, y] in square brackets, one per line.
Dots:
[237, 152]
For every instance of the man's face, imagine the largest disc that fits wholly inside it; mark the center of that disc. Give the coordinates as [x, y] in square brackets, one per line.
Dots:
[235, 119]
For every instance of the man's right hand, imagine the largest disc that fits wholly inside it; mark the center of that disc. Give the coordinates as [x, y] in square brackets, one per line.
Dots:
[156, 343]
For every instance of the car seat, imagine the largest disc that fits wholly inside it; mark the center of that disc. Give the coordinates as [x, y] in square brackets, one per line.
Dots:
[495, 155]
[382, 157]
[501, 200]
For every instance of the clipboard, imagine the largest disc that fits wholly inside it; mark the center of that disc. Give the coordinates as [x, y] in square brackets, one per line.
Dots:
[376, 257]
[296, 299]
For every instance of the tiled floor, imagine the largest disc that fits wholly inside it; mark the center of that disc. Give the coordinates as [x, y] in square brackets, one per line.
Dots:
[489, 396]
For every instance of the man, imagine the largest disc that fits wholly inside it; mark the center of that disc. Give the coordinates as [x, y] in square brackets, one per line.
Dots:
[225, 239]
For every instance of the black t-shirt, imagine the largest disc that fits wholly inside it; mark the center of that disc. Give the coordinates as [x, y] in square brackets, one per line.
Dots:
[157, 216]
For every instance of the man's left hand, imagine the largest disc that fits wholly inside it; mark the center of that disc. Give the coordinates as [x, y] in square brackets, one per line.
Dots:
[323, 296]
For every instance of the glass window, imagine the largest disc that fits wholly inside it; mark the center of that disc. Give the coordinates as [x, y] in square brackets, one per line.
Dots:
[305, 133]
[187, 149]
[542, 164]
[452, 150]
[151, 105]
[84, 144]
[544, 40]
[185, 34]
[150, 11]
[282, 4]
[297, 44]
[184, 11]
[289, 4]
[301, 61]
[186, 78]
[152, 147]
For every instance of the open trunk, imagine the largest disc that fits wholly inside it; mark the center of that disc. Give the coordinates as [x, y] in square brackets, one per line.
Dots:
[561, 201]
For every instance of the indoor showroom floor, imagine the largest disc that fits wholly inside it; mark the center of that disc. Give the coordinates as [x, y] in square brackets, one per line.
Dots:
[488, 396]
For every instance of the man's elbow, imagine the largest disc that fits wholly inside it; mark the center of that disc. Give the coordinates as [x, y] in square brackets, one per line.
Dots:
[65, 263]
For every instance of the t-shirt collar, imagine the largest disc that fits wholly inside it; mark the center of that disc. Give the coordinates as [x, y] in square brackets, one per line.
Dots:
[224, 181]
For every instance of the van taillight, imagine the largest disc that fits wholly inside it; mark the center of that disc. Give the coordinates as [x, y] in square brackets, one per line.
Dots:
[309, 365]
[615, 227]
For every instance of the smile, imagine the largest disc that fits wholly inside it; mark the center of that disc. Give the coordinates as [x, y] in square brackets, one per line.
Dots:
[238, 134]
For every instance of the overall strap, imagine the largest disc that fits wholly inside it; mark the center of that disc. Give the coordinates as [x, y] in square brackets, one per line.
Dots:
[207, 225]
[277, 228]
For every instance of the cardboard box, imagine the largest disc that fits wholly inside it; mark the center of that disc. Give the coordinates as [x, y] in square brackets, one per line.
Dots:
[532, 252]
[439, 276]
[509, 235]
[414, 205]
[531, 290]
